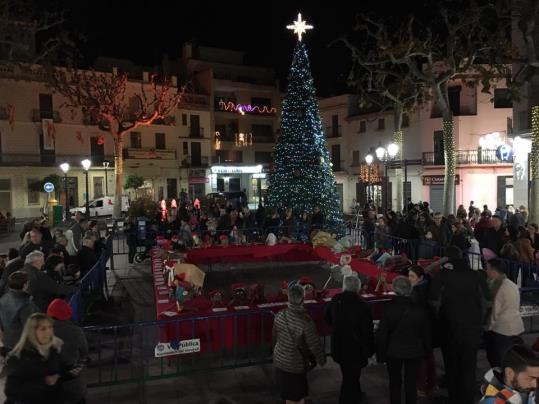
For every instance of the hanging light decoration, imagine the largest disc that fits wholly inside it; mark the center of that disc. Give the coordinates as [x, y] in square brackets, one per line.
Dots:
[217, 141]
[244, 139]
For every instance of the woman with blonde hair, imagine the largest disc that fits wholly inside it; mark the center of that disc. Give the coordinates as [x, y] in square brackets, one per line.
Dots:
[35, 368]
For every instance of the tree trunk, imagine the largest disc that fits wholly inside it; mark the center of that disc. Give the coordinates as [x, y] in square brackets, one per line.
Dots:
[449, 154]
[534, 168]
[397, 139]
[119, 172]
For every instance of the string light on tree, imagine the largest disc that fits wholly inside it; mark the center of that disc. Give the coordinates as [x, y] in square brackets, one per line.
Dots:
[302, 177]
[299, 27]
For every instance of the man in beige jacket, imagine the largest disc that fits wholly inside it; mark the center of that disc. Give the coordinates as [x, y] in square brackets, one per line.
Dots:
[504, 324]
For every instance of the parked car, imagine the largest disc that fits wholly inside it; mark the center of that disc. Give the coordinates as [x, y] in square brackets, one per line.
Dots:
[103, 206]
[238, 198]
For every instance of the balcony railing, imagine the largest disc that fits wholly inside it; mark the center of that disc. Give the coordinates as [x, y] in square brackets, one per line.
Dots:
[195, 161]
[196, 132]
[338, 165]
[194, 101]
[149, 153]
[37, 115]
[49, 159]
[333, 131]
[479, 156]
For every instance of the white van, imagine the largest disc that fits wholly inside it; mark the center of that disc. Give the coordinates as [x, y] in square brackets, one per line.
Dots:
[102, 206]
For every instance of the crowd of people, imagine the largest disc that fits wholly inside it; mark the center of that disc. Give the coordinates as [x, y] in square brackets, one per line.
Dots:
[44, 351]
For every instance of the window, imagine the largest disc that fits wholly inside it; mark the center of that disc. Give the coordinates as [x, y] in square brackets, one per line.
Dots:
[160, 141]
[405, 121]
[381, 124]
[362, 126]
[136, 140]
[45, 106]
[262, 157]
[355, 158]
[262, 133]
[185, 148]
[98, 187]
[99, 204]
[172, 188]
[335, 126]
[97, 150]
[33, 185]
[502, 98]
[184, 119]
[453, 94]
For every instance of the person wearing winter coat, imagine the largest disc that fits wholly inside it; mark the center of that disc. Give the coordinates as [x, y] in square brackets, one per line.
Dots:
[515, 381]
[352, 338]
[15, 308]
[74, 350]
[504, 323]
[403, 340]
[35, 368]
[461, 296]
[296, 347]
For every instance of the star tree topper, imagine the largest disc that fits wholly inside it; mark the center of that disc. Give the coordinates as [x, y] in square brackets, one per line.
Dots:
[300, 27]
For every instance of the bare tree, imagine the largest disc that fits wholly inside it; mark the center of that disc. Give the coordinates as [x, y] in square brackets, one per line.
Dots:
[384, 85]
[459, 39]
[32, 34]
[104, 97]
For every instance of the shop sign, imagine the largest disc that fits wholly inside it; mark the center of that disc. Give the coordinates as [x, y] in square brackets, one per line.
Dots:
[438, 179]
[236, 169]
[198, 180]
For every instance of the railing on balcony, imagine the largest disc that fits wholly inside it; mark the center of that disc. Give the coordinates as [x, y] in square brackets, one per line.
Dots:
[195, 161]
[149, 153]
[37, 115]
[194, 101]
[479, 156]
[196, 132]
[338, 165]
[333, 131]
[48, 159]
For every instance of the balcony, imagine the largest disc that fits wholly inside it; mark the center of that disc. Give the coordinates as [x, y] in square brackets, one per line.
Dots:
[337, 165]
[149, 153]
[333, 131]
[37, 115]
[48, 159]
[195, 161]
[464, 157]
[196, 132]
[194, 101]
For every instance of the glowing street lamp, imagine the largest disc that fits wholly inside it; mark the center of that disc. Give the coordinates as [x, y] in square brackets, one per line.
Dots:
[86, 164]
[65, 168]
[369, 159]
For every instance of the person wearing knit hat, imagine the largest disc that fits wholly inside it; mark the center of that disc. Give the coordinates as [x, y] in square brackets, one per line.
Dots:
[74, 350]
[239, 295]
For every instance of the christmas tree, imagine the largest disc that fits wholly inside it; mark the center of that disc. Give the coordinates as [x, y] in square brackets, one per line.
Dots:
[302, 177]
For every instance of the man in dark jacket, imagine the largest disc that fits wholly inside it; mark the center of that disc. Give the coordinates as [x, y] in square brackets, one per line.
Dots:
[36, 243]
[15, 307]
[440, 231]
[317, 219]
[493, 236]
[462, 297]
[403, 339]
[74, 351]
[352, 340]
[42, 288]
[86, 257]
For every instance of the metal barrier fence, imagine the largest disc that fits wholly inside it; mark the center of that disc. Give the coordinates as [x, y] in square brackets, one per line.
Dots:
[130, 353]
[92, 286]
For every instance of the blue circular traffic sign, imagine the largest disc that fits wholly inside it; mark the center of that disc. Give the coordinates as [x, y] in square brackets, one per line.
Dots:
[48, 187]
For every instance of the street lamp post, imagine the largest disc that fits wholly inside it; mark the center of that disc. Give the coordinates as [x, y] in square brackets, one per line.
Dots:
[65, 168]
[369, 159]
[86, 166]
[386, 155]
[106, 165]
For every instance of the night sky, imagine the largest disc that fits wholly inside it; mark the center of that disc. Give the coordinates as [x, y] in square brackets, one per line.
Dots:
[143, 30]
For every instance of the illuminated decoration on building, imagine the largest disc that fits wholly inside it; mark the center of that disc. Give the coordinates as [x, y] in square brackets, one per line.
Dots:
[244, 139]
[504, 152]
[302, 177]
[492, 141]
[534, 163]
[299, 27]
[217, 141]
[236, 169]
[375, 175]
[243, 108]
